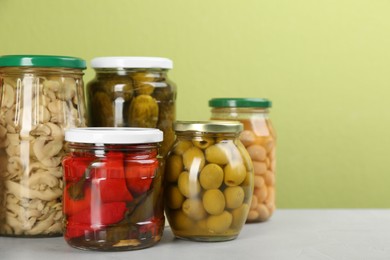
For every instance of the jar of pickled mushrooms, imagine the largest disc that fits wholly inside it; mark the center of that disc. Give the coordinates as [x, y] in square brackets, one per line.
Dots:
[259, 139]
[208, 181]
[40, 97]
[133, 92]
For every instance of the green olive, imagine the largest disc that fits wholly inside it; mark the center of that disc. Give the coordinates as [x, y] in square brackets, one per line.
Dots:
[203, 142]
[217, 154]
[174, 167]
[193, 159]
[234, 174]
[174, 198]
[180, 221]
[211, 176]
[202, 224]
[194, 209]
[239, 215]
[214, 201]
[189, 187]
[181, 147]
[234, 197]
[219, 223]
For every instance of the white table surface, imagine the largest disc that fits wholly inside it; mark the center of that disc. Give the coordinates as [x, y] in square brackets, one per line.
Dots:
[290, 234]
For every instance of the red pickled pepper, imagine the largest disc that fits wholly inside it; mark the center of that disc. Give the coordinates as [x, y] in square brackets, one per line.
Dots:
[104, 197]
[108, 182]
[73, 206]
[110, 179]
[74, 168]
[87, 220]
[139, 175]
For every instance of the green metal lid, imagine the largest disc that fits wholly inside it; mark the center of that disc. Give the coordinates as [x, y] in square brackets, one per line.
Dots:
[41, 61]
[240, 102]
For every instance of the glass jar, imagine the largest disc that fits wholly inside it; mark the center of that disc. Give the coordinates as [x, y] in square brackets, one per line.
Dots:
[40, 97]
[208, 181]
[113, 188]
[259, 139]
[133, 92]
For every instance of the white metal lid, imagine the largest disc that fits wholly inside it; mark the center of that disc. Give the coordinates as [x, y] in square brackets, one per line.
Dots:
[113, 135]
[131, 62]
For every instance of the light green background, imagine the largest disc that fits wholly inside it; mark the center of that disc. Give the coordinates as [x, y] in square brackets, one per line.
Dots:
[324, 64]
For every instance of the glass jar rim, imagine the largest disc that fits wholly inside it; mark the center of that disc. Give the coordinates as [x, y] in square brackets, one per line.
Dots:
[113, 135]
[240, 102]
[131, 62]
[42, 61]
[214, 126]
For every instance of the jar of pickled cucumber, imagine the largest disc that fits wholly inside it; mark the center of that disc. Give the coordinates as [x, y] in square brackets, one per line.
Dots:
[41, 96]
[133, 92]
[208, 181]
[259, 139]
[113, 188]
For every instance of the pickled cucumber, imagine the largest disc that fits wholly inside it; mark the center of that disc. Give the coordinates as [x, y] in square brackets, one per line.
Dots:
[143, 112]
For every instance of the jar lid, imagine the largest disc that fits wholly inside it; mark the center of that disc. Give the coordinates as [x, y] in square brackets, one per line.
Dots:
[41, 61]
[240, 102]
[113, 135]
[215, 126]
[132, 62]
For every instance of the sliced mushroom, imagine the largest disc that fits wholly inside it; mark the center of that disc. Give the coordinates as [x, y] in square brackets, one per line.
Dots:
[51, 85]
[3, 132]
[8, 96]
[55, 171]
[41, 178]
[52, 162]
[55, 228]
[43, 114]
[11, 129]
[57, 111]
[68, 90]
[42, 226]
[10, 117]
[16, 209]
[14, 223]
[44, 149]
[15, 166]
[21, 191]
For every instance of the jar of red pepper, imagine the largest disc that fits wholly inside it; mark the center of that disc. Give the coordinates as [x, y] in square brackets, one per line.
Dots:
[113, 188]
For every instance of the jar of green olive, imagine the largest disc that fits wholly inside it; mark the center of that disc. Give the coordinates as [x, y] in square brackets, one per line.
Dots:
[133, 92]
[259, 139]
[208, 181]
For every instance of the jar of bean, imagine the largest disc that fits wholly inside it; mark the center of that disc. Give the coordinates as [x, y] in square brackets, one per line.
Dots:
[208, 180]
[133, 92]
[41, 96]
[113, 188]
[259, 139]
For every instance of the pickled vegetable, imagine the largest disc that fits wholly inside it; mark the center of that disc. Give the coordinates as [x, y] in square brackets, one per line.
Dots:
[143, 112]
[209, 198]
[111, 200]
[135, 98]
